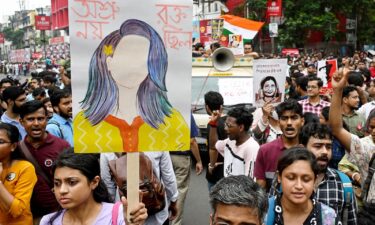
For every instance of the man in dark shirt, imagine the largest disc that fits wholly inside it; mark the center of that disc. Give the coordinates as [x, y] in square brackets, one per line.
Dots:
[44, 148]
[214, 101]
[291, 121]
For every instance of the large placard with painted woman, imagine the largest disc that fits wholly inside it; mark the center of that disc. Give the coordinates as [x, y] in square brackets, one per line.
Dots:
[131, 69]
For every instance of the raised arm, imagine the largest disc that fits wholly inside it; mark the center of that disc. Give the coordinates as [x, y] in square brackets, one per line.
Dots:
[339, 81]
[213, 137]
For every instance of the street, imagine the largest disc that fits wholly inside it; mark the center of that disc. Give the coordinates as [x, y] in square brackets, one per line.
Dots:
[197, 207]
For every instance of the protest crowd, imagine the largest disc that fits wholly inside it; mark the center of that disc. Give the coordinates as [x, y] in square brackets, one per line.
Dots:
[307, 160]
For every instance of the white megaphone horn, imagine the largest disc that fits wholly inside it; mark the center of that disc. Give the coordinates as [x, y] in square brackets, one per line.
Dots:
[223, 59]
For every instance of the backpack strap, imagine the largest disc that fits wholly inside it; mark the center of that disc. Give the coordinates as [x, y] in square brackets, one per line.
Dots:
[348, 194]
[115, 212]
[271, 211]
[366, 184]
[26, 152]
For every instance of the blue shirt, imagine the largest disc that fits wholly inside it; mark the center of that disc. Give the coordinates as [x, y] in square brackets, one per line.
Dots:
[61, 127]
[6, 119]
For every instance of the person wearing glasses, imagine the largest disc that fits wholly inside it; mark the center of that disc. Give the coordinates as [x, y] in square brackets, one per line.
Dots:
[17, 179]
[314, 103]
[239, 149]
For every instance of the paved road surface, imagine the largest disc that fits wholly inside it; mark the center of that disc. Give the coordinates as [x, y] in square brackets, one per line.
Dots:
[197, 207]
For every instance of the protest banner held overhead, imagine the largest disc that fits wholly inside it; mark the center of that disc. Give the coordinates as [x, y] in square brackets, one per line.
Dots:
[131, 71]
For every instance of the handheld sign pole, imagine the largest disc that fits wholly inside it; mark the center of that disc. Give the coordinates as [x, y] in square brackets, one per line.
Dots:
[132, 170]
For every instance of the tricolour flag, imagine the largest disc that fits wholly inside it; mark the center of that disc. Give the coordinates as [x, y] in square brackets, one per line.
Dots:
[241, 26]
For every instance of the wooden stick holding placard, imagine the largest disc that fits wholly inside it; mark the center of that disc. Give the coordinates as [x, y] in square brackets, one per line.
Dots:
[132, 174]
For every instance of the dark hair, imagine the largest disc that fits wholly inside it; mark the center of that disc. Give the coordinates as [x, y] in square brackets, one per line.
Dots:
[347, 90]
[49, 78]
[248, 43]
[302, 82]
[289, 105]
[297, 75]
[197, 46]
[368, 120]
[215, 44]
[316, 130]
[293, 154]
[12, 93]
[89, 166]
[355, 79]
[267, 78]
[242, 116]
[31, 107]
[213, 100]
[325, 113]
[14, 137]
[58, 95]
[46, 100]
[6, 80]
[315, 78]
[239, 191]
[310, 117]
[39, 91]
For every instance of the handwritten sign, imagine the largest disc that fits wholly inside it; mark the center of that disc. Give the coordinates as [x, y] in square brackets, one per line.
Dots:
[170, 18]
[236, 91]
[92, 15]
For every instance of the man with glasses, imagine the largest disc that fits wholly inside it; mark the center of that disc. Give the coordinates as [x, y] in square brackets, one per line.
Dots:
[239, 149]
[314, 103]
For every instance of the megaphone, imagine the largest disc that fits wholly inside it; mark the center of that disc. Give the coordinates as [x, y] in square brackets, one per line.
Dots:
[223, 59]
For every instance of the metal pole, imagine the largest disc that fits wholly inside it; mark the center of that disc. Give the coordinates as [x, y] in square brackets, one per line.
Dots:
[44, 43]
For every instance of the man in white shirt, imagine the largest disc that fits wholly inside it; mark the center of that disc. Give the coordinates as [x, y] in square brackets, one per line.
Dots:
[239, 149]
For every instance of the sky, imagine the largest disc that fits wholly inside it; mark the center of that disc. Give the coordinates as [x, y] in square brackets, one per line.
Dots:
[8, 7]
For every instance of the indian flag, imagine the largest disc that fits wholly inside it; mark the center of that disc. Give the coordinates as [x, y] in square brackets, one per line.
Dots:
[238, 25]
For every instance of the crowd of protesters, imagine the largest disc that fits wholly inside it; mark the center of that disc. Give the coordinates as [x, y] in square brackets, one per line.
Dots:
[311, 154]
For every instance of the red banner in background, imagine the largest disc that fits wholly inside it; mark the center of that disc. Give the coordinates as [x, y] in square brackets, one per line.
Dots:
[56, 40]
[2, 38]
[274, 8]
[43, 22]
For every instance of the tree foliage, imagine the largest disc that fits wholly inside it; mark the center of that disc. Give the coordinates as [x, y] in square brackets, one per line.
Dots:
[15, 36]
[300, 17]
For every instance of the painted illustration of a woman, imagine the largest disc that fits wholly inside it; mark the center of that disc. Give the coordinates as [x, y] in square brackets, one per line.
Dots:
[268, 91]
[126, 107]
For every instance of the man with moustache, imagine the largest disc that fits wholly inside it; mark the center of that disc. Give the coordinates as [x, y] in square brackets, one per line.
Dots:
[15, 97]
[239, 149]
[290, 121]
[43, 149]
[350, 102]
[60, 124]
[317, 138]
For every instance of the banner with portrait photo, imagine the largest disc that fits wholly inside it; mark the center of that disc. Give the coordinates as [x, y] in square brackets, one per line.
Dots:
[131, 75]
[236, 44]
[269, 81]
